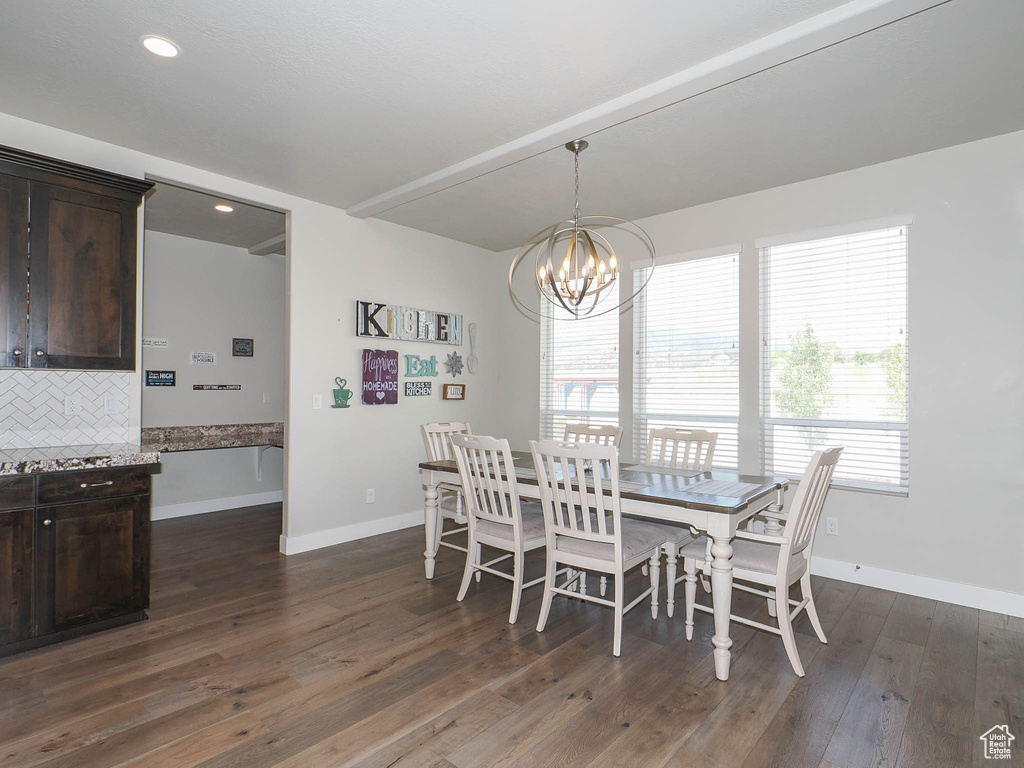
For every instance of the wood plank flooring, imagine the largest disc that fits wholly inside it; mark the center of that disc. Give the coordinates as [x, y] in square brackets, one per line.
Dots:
[348, 657]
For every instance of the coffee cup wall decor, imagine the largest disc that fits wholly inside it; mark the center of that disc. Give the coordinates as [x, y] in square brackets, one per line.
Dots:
[341, 395]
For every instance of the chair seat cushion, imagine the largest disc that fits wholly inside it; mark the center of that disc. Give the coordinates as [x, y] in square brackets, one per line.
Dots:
[638, 537]
[449, 504]
[748, 555]
[533, 524]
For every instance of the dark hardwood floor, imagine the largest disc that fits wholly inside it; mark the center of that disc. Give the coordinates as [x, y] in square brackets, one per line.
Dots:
[348, 656]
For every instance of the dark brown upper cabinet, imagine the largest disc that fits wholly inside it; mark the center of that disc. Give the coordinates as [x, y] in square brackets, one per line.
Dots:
[68, 251]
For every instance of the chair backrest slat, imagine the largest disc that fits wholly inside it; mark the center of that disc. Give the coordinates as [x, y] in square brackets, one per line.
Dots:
[677, 448]
[602, 434]
[437, 438]
[579, 489]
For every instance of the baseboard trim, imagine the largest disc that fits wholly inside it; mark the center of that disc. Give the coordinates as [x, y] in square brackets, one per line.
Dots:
[293, 545]
[969, 595]
[167, 511]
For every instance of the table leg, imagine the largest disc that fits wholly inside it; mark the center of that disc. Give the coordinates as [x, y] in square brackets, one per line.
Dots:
[721, 595]
[430, 513]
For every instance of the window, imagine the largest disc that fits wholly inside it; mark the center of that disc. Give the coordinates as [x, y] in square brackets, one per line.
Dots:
[579, 368]
[834, 356]
[686, 350]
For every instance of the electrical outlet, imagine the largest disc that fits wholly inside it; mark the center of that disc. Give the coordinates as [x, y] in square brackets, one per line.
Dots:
[832, 526]
[266, 397]
[110, 405]
[369, 495]
[72, 405]
[318, 402]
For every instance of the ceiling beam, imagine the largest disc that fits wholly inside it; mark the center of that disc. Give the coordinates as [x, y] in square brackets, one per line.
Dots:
[848, 20]
[275, 244]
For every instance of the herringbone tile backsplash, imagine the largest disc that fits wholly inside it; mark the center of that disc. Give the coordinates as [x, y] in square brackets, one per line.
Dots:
[32, 408]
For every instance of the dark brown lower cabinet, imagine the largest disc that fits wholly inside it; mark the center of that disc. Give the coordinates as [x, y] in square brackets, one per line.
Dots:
[92, 561]
[77, 560]
[15, 575]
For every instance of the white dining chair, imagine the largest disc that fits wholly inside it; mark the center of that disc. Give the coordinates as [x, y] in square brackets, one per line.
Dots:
[602, 434]
[674, 448]
[585, 531]
[437, 441]
[679, 448]
[773, 562]
[496, 516]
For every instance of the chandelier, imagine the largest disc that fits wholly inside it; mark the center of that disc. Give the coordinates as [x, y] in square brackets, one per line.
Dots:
[575, 263]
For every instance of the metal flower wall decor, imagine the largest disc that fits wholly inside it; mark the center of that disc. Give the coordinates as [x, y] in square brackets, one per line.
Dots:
[453, 364]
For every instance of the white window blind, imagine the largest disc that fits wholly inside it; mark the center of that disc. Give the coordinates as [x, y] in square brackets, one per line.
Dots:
[686, 350]
[579, 368]
[834, 356]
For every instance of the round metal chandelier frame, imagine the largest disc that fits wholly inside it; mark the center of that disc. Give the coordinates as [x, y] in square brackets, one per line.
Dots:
[576, 281]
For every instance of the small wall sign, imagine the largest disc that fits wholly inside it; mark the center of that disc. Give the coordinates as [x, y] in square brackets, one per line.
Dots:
[215, 387]
[241, 347]
[417, 366]
[454, 392]
[202, 358]
[388, 321]
[155, 343]
[160, 378]
[417, 388]
[380, 376]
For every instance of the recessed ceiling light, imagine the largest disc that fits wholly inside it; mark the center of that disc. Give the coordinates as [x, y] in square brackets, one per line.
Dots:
[224, 208]
[161, 46]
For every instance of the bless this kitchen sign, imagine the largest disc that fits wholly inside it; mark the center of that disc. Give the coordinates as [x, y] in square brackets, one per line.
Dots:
[387, 321]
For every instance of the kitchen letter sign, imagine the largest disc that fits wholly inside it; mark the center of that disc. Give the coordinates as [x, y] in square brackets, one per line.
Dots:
[389, 321]
[380, 376]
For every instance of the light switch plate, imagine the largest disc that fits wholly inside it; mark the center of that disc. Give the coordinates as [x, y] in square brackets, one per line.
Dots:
[110, 405]
[318, 402]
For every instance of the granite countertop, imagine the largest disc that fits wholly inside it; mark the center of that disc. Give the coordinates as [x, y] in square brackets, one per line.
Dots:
[197, 438]
[65, 458]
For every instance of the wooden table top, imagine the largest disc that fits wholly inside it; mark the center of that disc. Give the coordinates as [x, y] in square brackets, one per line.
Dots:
[712, 491]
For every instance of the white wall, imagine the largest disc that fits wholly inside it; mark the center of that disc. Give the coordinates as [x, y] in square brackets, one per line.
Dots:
[962, 521]
[199, 295]
[333, 455]
[336, 454]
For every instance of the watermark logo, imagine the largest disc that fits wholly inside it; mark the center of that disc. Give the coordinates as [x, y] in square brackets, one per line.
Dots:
[998, 742]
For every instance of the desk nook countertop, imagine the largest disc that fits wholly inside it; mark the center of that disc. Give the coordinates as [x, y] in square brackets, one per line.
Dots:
[198, 438]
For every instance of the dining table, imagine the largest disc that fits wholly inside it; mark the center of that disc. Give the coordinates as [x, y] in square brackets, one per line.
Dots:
[715, 502]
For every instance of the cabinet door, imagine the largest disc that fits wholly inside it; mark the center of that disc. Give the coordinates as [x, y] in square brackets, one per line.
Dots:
[13, 271]
[82, 303]
[92, 561]
[15, 575]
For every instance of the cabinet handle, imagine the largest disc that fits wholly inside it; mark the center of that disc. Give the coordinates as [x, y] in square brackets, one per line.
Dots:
[17, 353]
[39, 353]
[47, 522]
[96, 485]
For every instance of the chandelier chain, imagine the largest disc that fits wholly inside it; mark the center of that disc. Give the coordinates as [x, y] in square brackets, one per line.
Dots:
[576, 214]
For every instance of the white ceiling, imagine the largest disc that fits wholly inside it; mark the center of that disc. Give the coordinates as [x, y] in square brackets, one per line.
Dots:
[189, 213]
[356, 103]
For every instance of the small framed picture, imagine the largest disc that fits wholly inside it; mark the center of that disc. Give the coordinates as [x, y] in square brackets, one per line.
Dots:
[454, 392]
[241, 347]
